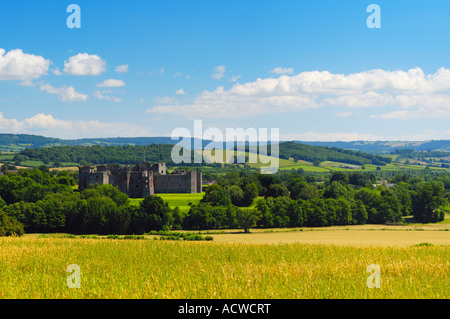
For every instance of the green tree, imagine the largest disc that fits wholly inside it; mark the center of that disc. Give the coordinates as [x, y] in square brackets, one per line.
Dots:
[156, 214]
[335, 190]
[250, 193]
[236, 195]
[178, 217]
[99, 211]
[264, 212]
[277, 190]
[9, 226]
[246, 218]
[359, 212]
[427, 201]
[217, 196]
[308, 192]
[340, 177]
[295, 186]
[200, 216]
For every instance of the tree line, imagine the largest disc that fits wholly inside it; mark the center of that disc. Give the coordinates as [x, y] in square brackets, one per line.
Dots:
[343, 199]
[40, 201]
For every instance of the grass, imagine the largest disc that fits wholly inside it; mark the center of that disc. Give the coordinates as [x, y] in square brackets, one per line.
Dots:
[36, 268]
[182, 201]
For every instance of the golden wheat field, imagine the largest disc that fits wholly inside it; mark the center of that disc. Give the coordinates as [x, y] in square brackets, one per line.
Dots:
[33, 267]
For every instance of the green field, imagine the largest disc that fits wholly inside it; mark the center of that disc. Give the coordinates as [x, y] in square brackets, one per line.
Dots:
[182, 201]
[33, 267]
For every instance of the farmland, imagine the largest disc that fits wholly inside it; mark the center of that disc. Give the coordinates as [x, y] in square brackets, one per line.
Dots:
[34, 267]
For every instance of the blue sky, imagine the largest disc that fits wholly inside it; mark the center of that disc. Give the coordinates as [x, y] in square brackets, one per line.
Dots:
[313, 69]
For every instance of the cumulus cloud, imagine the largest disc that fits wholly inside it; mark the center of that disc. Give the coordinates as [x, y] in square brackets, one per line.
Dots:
[84, 64]
[17, 65]
[47, 125]
[219, 72]
[104, 96]
[343, 114]
[280, 70]
[411, 90]
[56, 71]
[122, 68]
[234, 78]
[180, 92]
[66, 94]
[111, 83]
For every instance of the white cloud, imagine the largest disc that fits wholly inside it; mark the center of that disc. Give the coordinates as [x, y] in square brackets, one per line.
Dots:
[180, 75]
[400, 90]
[56, 71]
[234, 78]
[16, 65]
[180, 92]
[47, 125]
[165, 100]
[111, 83]
[280, 70]
[84, 64]
[219, 72]
[343, 114]
[102, 96]
[66, 94]
[122, 68]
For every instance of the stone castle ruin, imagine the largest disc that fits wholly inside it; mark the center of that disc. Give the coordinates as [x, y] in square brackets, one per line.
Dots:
[142, 180]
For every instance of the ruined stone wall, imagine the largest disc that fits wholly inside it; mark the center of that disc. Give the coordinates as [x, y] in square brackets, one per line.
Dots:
[140, 184]
[83, 177]
[99, 178]
[120, 179]
[177, 183]
[199, 182]
[142, 180]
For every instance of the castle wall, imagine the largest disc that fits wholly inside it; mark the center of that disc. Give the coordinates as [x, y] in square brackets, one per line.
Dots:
[83, 179]
[99, 178]
[199, 182]
[120, 179]
[141, 181]
[180, 183]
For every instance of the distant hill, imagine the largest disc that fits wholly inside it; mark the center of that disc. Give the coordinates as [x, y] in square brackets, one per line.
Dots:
[130, 154]
[312, 153]
[18, 142]
[384, 147]
[131, 149]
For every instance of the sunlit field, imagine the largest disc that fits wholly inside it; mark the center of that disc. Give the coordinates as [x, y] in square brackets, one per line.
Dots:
[182, 201]
[35, 267]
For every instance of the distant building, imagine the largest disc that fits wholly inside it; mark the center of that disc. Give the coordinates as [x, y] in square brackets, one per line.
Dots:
[349, 166]
[141, 180]
[385, 183]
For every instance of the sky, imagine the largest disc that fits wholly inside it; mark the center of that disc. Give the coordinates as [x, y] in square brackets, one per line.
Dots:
[315, 70]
